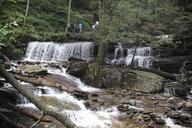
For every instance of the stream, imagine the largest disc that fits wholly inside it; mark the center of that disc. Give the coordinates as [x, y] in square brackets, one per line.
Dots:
[84, 117]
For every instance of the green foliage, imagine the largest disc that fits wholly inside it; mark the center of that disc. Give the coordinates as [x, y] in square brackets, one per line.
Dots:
[127, 21]
[46, 22]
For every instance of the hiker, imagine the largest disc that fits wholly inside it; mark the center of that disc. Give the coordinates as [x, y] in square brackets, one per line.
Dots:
[80, 27]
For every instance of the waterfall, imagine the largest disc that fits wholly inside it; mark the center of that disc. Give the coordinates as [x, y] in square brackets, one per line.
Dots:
[49, 51]
[143, 57]
[169, 91]
[118, 55]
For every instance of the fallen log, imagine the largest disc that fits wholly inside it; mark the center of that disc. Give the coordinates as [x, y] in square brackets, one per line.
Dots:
[30, 114]
[62, 117]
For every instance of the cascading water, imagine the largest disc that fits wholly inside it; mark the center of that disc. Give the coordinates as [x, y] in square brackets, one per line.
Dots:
[84, 117]
[118, 55]
[49, 51]
[143, 56]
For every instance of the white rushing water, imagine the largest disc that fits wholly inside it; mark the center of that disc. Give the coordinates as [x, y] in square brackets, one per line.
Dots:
[170, 123]
[49, 51]
[79, 83]
[143, 56]
[84, 118]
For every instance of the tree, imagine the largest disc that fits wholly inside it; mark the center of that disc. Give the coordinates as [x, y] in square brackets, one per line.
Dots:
[69, 16]
[63, 118]
[107, 9]
[26, 13]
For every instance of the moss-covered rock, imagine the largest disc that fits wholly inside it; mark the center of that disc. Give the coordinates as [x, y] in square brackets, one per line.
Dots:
[113, 76]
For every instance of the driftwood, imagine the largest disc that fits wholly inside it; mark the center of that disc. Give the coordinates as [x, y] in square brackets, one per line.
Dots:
[62, 117]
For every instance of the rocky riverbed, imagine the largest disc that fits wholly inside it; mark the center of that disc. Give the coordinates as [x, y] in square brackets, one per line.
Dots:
[142, 104]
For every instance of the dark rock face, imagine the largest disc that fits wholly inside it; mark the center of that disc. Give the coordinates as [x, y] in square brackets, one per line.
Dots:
[74, 59]
[7, 96]
[77, 69]
[1, 84]
[170, 59]
[170, 64]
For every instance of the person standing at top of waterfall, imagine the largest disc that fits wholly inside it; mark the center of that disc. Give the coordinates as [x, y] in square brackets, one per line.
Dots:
[80, 27]
[95, 25]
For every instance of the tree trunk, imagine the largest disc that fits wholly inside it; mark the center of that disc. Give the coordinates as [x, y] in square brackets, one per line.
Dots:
[62, 117]
[132, 60]
[100, 56]
[26, 13]
[156, 11]
[28, 113]
[69, 17]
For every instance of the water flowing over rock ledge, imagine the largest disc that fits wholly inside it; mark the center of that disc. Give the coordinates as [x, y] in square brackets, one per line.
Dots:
[49, 51]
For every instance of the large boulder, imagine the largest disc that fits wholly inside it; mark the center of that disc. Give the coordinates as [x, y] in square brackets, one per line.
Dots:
[116, 76]
[7, 95]
[77, 69]
[32, 70]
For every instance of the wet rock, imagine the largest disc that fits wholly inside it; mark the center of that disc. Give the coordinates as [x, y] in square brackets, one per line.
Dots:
[185, 118]
[153, 115]
[181, 105]
[136, 103]
[32, 70]
[122, 108]
[147, 112]
[74, 59]
[181, 91]
[1, 84]
[174, 114]
[80, 95]
[189, 105]
[7, 95]
[146, 117]
[129, 109]
[159, 121]
[77, 69]
[174, 88]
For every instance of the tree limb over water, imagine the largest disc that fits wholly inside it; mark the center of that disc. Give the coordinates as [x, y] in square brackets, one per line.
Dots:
[62, 117]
